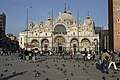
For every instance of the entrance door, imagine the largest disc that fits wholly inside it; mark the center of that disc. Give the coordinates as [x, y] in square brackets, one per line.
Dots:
[60, 48]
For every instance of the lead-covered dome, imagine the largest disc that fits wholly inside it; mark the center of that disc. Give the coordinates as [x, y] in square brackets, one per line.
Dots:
[66, 17]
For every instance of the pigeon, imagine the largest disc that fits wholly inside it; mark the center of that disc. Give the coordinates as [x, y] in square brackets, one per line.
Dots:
[58, 68]
[14, 72]
[115, 72]
[64, 71]
[47, 66]
[63, 65]
[117, 78]
[82, 62]
[78, 65]
[46, 79]
[61, 69]
[92, 63]
[5, 64]
[34, 70]
[74, 65]
[87, 66]
[1, 74]
[10, 64]
[84, 69]
[37, 64]
[44, 71]
[55, 64]
[6, 70]
[113, 76]
[71, 74]
[103, 78]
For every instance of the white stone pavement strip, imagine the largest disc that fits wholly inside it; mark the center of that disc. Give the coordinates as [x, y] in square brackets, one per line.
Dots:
[11, 68]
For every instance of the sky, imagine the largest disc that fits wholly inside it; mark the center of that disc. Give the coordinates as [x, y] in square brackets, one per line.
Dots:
[16, 11]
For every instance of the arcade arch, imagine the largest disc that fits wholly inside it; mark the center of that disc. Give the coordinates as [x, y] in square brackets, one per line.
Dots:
[35, 43]
[85, 44]
[74, 44]
[44, 44]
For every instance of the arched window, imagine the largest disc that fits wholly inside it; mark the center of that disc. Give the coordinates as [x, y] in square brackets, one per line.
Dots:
[46, 34]
[60, 29]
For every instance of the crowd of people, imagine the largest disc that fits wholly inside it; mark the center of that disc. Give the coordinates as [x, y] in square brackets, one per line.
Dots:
[106, 58]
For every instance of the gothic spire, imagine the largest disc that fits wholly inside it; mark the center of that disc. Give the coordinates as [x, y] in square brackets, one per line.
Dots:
[69, 10]
[49, 18]
[65, 11]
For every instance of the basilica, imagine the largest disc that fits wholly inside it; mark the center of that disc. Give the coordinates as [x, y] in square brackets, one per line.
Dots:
[61, 34]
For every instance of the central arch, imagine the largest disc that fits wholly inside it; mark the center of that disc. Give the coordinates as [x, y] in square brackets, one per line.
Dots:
[85, 44]
[74, 44]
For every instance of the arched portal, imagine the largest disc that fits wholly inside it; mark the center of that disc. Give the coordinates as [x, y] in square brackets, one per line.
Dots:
[44, 44]
[59, 43]
[85, 43]
[74, 44]
[35, 43]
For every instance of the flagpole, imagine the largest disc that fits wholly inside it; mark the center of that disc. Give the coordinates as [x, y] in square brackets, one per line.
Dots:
[52, 29]
[27, 12]
[78, 28]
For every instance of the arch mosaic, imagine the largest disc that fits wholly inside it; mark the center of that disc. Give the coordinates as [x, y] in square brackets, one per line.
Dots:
[35, 42]
[44, 44]
[85, 44]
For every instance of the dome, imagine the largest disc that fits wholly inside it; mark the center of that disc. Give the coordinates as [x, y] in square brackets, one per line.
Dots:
[67, 17]
[88, 20]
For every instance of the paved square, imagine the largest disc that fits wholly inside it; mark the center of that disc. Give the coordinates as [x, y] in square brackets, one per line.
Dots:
[52, 68]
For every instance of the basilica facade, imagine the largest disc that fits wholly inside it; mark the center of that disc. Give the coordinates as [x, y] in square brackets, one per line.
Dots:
[61, 34]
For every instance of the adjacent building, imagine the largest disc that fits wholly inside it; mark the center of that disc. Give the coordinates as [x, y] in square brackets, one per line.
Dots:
[114, 24]
[103, 37]
[61, 34]
[2, 29]
[12, 42]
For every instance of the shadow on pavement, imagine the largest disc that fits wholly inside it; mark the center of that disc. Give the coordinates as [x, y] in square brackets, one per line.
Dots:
[13, 75]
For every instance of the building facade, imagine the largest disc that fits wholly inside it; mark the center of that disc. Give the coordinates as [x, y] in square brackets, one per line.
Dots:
[103, 37]
[114, 24]
[61, 34]
[2, 29]
[12, 42]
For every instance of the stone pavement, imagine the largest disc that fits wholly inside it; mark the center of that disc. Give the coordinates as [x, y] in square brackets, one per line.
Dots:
[52, 68]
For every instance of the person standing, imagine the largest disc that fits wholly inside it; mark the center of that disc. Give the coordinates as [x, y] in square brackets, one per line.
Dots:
[26, 56]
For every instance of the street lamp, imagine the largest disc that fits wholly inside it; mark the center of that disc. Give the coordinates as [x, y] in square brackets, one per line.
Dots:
[27, 26]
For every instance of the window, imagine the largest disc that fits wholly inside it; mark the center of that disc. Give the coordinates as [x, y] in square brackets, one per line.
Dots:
[73, 33]
[46, 34]
[118, 20]
[118, 8]
[21, 40]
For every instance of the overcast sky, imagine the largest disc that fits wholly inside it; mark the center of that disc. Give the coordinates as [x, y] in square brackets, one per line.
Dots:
[15, 11]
